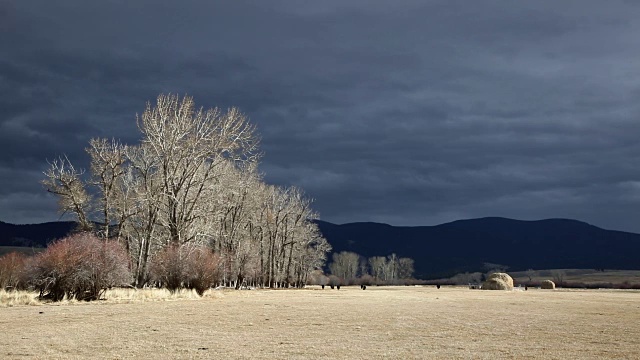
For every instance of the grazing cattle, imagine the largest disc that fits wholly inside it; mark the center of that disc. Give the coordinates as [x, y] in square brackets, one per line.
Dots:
[364, 287]
[438, 286]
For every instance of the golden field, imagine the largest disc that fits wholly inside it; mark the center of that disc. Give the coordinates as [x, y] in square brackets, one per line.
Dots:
[380, 322]
[586, 276]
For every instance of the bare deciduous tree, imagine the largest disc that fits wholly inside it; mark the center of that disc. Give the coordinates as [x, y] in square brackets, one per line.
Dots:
[405, 268]
[558, 276]
[531, 273]
[377, 264]
[190, 145]
[345, 265]
[63, 180]
[107, 158]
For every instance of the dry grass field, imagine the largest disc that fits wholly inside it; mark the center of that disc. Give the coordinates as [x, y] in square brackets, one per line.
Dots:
[380, 322]
[587, 276]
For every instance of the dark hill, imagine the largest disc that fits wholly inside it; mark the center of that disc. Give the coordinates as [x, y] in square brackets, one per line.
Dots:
[33, 235]
[465, 245]
[446, 249]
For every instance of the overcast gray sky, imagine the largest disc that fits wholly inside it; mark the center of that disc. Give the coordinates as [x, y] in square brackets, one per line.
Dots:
[404, 112]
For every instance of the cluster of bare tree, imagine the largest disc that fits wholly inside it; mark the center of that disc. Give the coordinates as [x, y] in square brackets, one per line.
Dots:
[351, 268]
[192, 182]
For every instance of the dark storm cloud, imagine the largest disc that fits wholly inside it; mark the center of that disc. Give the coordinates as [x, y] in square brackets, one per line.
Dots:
[416, 112]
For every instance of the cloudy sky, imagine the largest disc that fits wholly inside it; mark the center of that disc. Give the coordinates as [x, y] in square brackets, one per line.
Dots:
[405, 112]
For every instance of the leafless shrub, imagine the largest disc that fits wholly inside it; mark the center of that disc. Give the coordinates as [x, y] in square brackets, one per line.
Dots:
[105, 265]
[51, 272]
[203, 269]
[317, 277]
[12, 269]
[169, 269]
[178, 267]
[366, 280]
[80, 266]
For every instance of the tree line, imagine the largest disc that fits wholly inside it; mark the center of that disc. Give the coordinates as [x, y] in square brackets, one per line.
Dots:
[191, 187]
[351, 268]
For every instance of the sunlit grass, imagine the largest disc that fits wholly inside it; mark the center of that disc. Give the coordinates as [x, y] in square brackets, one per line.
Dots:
[395, 322]
[17, 298]
[135, 295]
[117, 295]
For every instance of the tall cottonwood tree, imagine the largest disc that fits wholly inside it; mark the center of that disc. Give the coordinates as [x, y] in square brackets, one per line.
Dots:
[190, 144]
[345, 265]
[107, 159]
[405, 268]
[378, 265]
[139, 210]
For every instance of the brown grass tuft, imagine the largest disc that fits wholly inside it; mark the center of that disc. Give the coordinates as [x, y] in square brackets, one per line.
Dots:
[127, 295]
[16, 298]
[115, 295]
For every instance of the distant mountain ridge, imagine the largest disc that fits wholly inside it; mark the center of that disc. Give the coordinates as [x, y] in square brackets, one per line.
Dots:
[34, 235]
[465, 245]
[446, 249]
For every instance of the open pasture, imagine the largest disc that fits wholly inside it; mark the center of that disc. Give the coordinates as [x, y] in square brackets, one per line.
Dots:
[586, 276]
[380, 322]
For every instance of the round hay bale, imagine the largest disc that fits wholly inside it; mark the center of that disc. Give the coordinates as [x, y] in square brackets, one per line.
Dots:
[504, 277]
[547, 284]
[496, 284]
